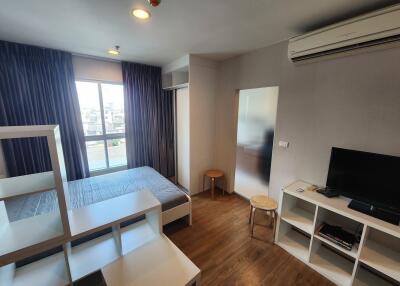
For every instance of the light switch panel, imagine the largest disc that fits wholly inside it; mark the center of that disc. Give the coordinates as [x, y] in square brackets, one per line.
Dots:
[284, 144]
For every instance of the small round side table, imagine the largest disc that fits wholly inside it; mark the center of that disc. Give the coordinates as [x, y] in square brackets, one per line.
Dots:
[213, 175]
[263, 203]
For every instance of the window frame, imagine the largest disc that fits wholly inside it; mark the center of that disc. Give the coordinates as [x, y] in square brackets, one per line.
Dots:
[104, 137]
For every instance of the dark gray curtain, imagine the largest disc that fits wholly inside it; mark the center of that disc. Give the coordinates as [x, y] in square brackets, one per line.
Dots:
[37, 86]
[148, 119]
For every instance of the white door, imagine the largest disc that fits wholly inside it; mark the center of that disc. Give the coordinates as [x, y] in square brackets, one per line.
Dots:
[183, 138]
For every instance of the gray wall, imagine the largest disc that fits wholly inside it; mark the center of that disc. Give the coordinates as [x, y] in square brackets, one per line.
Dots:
[351, 102]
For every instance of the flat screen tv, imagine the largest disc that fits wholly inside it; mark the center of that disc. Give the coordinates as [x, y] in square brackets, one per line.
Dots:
[371, 180]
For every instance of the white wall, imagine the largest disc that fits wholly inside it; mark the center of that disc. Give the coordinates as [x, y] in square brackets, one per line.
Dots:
[202, 89]
[86, 68]
[350, 102]
[183, 138]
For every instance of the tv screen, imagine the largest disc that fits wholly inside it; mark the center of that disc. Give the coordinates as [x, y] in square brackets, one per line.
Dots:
[366, 177]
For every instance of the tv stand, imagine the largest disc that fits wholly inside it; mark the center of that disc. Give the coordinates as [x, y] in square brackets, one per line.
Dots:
[390, 217]
[375, 260]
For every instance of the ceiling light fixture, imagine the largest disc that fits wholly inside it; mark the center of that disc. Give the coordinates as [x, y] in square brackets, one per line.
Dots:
[141, 14]
[115, 51]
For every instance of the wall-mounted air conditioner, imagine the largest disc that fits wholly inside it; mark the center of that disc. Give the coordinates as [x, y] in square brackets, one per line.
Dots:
[370, 30]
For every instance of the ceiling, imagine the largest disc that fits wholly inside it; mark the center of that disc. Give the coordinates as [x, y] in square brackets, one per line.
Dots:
[217, 29]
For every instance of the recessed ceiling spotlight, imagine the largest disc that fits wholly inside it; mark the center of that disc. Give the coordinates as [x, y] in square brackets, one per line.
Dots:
[115, 51]
[141, 13]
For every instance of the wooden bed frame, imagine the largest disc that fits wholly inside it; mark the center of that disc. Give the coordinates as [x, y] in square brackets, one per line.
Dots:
[178, 212]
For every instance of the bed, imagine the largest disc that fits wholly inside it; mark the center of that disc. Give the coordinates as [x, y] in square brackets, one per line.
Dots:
[175, 202]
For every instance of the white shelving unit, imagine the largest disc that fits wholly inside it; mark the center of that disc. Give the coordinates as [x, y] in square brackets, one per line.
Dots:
[141, 247]
[375, 261]
[27, 237]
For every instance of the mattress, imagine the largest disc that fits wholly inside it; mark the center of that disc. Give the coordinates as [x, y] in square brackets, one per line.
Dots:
[99, 188]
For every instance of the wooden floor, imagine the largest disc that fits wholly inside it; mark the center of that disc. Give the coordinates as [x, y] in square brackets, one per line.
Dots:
[218, 242]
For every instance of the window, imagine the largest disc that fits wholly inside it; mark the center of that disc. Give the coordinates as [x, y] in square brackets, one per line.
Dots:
[102, 111]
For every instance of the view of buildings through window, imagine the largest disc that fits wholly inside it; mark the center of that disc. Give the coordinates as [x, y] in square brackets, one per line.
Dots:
[102, 111]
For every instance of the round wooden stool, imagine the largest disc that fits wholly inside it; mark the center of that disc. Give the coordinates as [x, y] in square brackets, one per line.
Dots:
[213, 175]
[263, 203]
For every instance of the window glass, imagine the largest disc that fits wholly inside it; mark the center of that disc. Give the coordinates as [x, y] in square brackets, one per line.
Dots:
[116, 152]
[102, 108]
[89, 102]
[96, 155]
[113, 104]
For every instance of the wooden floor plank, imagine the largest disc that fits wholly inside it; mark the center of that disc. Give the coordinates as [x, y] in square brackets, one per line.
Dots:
[219, 243]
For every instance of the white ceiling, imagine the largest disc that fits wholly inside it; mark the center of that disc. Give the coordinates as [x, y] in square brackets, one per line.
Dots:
[217, 29]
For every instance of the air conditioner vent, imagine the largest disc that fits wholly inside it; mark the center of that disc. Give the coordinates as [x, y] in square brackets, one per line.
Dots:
[371, 30]
[378, 42]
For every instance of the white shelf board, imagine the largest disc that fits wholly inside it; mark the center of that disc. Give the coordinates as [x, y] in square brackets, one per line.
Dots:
[296, 244]
[7, 132]
[158, 261]
[103, 214]
[340, 205]
[177, 86]
[366, 278]
[30, 231]
[332, 265]
[47, 271]
[352, 253]
[299, 218]
[381, 258]
[136, 235]
[23, 185]
[91, 256]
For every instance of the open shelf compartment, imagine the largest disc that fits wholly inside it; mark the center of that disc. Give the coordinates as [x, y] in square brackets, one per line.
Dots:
[23, 185]
[135, 235]
[331, 263]
[44, 231]
[294, 240]
[351, 226]
[92, 255]
[127, 211]
[298, 212]
[365, 276]
[51, 270]
[381, 251]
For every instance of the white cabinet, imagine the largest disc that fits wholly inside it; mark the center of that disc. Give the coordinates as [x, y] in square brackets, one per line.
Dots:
[374, 261]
